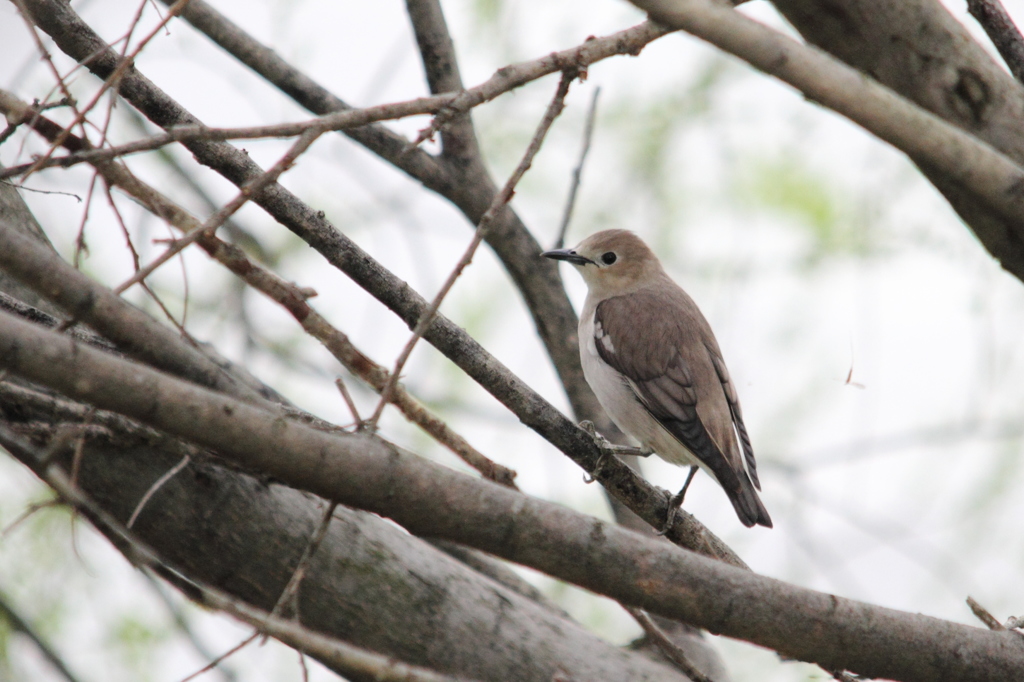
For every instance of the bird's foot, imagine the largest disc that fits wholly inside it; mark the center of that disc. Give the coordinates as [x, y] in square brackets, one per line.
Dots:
[608, 449]
[602, 443]
[676, 502]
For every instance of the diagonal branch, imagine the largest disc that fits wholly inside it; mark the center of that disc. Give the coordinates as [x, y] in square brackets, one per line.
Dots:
[992, 177]
[16, 622]
[1003, 33]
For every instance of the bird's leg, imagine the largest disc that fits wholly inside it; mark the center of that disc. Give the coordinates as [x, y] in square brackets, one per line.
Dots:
[602, 443]
[608, 449]
[677, 502]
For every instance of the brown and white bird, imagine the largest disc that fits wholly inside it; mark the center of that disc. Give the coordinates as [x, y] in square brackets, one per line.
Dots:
[656, 368]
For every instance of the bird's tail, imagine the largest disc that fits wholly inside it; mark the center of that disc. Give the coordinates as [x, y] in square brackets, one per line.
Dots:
[747, 504]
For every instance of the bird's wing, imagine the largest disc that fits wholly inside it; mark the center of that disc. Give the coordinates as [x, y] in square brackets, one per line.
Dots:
[657, 345]
[736, 412]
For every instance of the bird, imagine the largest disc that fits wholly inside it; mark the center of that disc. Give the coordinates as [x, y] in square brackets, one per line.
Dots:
[651, 358]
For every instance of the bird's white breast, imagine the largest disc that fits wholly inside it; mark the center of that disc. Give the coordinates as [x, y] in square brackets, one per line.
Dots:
[620, 401]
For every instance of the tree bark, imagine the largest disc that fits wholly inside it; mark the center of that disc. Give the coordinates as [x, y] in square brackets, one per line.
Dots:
[917, 48]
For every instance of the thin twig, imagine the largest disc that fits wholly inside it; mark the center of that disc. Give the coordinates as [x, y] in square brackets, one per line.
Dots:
[122, 66]
[1003, 33]
[341, 120]
[217, 661]
[46, 57]
[502, 198]
[20, 624]
[363, 664]
[217, 219]
[671, 650]
[287, 603]
[80, 245]
[347, 397]
[180, 619]
[155, 487]
[577, 172]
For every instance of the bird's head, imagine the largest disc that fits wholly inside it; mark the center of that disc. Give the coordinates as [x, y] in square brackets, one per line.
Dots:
[612, 262]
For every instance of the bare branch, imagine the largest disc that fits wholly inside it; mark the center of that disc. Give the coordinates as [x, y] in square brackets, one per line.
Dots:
[222, 657]
[667, 646]
[209, 228]
[990, 621]
[342, 120]
[155, 487]
[989, 175]
[344, 656]
[135, 332]
[287, 604]
[110, 82]
[1003, 33]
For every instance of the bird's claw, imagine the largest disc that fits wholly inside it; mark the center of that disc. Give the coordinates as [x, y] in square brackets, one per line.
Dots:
[608, 449]
[602, 443]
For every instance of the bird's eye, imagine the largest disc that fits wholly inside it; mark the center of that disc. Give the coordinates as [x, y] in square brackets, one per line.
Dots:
[609, 258]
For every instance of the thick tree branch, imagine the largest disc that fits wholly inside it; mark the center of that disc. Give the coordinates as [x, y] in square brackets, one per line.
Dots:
[917, 48]
[370, 583]
[135, 332]
[362, 471]
[75, 38]
[990, 176]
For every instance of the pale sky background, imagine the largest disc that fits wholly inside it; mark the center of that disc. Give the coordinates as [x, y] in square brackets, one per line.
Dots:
[811, 248]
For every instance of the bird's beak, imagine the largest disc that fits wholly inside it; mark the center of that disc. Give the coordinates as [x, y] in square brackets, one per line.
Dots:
[568, 255]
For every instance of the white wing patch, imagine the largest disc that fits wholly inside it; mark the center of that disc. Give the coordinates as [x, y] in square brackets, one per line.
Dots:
[605, 340]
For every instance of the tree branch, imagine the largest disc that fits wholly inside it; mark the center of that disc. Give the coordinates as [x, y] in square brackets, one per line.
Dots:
[362, 471]
[1004, 34]
[16, 622]
[990, 176]
[917, 48]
